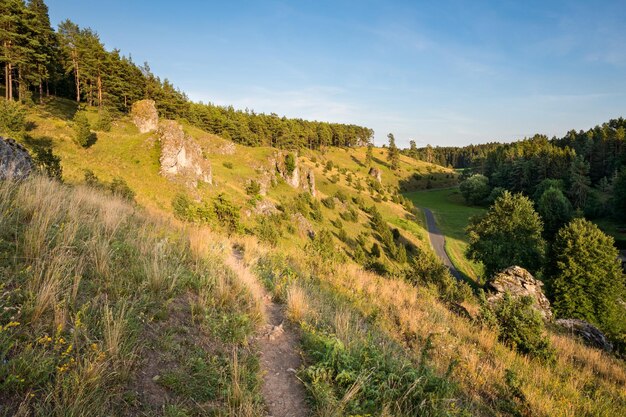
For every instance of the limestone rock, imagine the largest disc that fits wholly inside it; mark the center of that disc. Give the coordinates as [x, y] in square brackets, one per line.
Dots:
[15, 162]
[293, 178]
[519, 283]
[376, 173]
[181, 157]
[263, 208]
[590, 334]
[303, 225]
[145, 115]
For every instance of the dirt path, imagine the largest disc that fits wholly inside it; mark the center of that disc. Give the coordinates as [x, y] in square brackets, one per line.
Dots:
[279, 347]
[438, 242]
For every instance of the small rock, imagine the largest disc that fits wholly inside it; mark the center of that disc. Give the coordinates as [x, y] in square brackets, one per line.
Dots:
[156, 378]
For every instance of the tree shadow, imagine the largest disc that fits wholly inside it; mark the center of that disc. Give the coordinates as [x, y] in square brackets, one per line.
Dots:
[39, 142]
[358, 162]
[381, 162]
[61, 109]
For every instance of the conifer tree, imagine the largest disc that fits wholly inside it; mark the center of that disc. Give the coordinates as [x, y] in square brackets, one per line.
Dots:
[369, 154]
[555, 211]
[586, 280]
[393, 155]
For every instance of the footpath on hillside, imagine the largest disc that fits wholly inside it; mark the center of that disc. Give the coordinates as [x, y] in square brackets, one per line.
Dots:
[438, 242]
[279, 347]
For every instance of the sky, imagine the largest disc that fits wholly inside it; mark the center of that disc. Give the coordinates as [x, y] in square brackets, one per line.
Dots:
[438, 72]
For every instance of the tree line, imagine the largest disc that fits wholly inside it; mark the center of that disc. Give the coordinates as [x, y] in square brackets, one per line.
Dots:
[72, 62]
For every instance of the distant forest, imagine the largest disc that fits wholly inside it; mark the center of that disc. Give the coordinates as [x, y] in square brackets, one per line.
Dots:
[590, 167]
[72, 62]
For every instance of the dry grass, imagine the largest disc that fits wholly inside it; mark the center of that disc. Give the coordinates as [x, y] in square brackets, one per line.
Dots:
[297, 306]
[583, 381]
[81, 272]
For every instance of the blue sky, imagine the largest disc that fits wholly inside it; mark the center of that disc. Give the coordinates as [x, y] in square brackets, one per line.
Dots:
[438, 72]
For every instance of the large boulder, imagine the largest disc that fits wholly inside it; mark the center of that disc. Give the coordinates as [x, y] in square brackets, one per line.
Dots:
[590, 334]
[145, 115]
[181, 157]
[15, 162]
[519, 283]
[376, 174]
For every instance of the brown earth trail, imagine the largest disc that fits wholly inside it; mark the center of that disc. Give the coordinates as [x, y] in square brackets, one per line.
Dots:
[279, 349]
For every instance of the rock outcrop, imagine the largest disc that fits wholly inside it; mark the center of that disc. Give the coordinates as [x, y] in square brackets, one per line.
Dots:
[376, 173]
[15, 161]
[181, 157]
[519, 283]
[590, 334]
[297, 177]
[145, 115]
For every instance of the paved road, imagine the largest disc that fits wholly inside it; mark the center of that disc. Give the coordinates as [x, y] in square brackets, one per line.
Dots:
[437, 241]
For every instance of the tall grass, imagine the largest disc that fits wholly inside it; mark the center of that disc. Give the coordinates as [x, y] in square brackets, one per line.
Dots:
[83, 277]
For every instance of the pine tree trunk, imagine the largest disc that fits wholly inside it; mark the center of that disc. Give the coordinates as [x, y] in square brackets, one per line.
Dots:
[6, 81]
[76, 77]
[10, 78]
[99, 91]
[40, 90]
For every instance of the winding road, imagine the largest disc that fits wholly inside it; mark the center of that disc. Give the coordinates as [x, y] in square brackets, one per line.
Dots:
[438, 241]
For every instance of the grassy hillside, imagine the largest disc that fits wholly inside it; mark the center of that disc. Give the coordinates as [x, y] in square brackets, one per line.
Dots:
[127, 311]
[105, 311]
[125, 153]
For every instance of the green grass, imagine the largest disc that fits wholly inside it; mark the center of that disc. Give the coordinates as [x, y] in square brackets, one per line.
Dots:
[452, 216]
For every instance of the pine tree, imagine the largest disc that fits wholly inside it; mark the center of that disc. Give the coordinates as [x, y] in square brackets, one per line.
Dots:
[619, 194]
[393, 155]
[586, 280]
[508, 234]
[579, 182]
[46, 43]
[369, 154]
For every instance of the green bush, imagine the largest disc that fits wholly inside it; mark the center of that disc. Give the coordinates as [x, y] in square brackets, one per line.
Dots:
[475, 189]
[269, 229]
[329, 202]
[104, 121]
[518, 325]
[82, 130]
[12, 117]
[119, 188]
[253, 188]
[323, 245]
[227, 214]
[350, 215]
[48, 163]
[290, 163]
[228, 164]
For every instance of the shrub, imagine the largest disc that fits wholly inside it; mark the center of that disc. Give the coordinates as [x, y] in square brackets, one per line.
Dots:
[268, 229]
[427, 269]
[329, 202]
[12, 116]
[228, 164]
[253, 187]
[48, 163]
[227, 213]
[375, 251]
[350, 215]
[334, 179]
[290, 163]
[323, 245]
[518, 325]
[91, 179]
[341, 196]
[316, 211]
[329, 166]
[119, 188]
[82, 130]
[104, 121]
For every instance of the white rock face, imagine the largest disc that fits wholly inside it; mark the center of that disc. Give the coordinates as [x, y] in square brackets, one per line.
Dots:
[145, 116]
[181, 157]
[15, 162]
